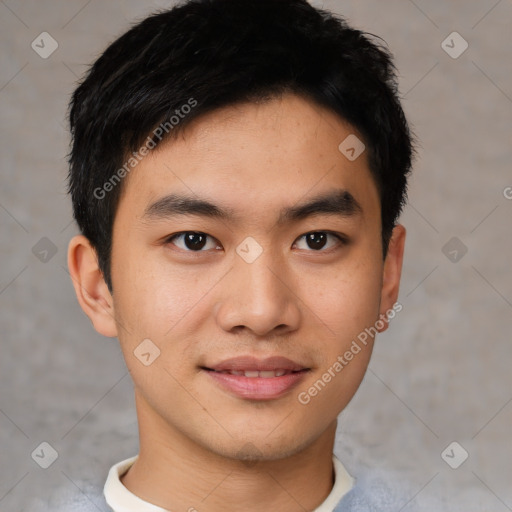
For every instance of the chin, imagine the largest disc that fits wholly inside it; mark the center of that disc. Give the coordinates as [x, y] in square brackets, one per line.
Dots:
[252, 449]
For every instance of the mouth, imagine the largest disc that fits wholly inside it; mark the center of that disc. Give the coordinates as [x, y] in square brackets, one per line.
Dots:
[257, 379]
[253, 374]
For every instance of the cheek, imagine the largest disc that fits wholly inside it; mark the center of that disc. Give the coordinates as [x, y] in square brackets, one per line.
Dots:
[346, 301]
[155, 299]
[346, 307]
[152, 302]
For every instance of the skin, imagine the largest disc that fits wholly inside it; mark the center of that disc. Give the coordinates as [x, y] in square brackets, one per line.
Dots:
[200, 446]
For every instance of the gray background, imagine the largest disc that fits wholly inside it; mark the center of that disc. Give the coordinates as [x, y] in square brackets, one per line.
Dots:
[440, 374]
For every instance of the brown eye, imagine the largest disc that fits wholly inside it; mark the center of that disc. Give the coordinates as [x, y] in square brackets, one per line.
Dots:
[318, 240]
[191, 241]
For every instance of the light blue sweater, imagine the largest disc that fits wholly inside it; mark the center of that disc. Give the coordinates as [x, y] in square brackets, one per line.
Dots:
[373, 495]
[369, 494]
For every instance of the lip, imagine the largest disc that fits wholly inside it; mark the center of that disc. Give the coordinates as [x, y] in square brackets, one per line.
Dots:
[260, 387]
[251, 363]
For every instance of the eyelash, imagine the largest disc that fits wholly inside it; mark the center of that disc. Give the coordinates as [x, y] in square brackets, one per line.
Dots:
[342, 239]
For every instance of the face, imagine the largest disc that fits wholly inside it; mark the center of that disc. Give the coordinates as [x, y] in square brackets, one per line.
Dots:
[250, 300]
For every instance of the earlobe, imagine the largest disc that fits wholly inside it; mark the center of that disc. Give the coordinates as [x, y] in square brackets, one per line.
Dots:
[392, 273]
[91, 290]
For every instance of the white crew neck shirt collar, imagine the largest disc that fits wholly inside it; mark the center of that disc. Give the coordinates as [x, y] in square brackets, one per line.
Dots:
[120, 499]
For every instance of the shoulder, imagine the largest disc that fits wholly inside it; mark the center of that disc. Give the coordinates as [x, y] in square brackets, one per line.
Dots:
[70, 498]
[375, 491]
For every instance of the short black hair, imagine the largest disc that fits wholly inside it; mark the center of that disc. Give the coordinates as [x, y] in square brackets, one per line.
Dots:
[201, 55]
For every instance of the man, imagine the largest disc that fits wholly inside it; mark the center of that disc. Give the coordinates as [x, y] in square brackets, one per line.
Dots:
[237, 171]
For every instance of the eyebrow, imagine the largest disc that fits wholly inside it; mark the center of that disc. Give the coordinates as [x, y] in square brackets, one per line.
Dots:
[339, 202]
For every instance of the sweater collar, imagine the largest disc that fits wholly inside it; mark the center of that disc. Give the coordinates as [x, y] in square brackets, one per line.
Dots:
[120, 499]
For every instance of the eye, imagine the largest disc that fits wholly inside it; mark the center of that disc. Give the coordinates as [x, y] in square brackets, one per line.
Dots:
[196, 241]
[317, 240]
[192, 241]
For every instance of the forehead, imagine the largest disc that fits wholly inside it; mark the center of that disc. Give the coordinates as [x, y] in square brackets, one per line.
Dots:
[253, 158]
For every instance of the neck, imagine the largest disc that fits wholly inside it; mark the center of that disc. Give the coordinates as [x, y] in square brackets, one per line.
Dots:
[175, 473]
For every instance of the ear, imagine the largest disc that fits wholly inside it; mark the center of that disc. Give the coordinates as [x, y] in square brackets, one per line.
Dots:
[91, 290]
[392, 273]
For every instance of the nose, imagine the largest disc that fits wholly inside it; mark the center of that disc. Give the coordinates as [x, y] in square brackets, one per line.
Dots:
[259, 297]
